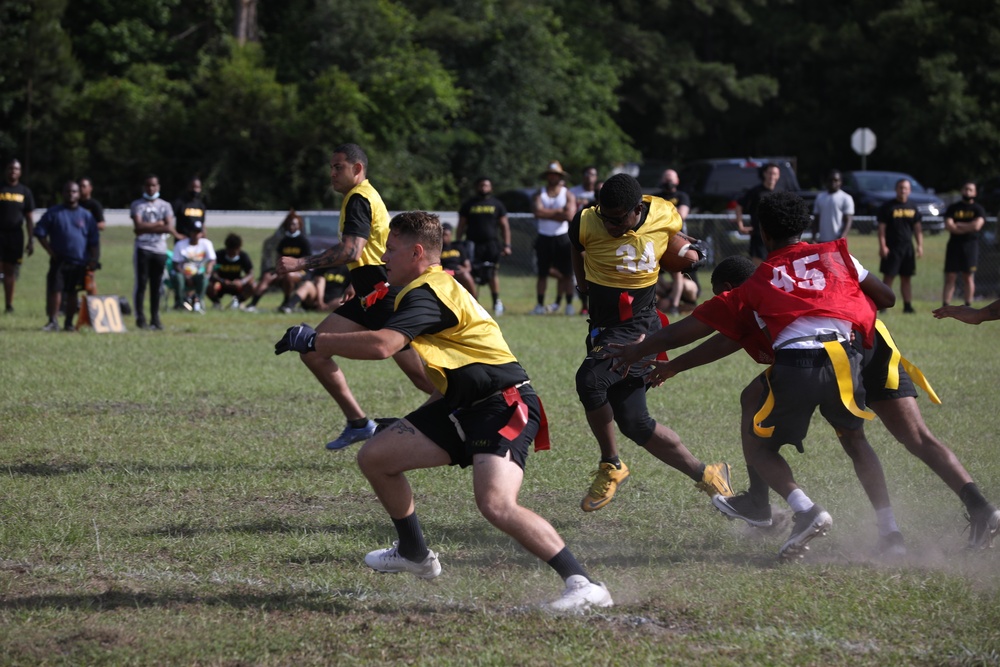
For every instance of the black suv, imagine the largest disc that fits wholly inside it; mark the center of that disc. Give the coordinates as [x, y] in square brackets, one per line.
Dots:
[715, 185]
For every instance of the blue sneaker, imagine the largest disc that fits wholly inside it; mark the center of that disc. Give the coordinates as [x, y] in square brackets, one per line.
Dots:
[349, 435]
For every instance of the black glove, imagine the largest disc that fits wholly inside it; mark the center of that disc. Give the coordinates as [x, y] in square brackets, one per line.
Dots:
[699, 247]
[300, 338]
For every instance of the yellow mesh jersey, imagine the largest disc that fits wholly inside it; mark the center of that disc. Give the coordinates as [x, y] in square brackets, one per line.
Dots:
[476, 339]
[375, 247]
[631, 261]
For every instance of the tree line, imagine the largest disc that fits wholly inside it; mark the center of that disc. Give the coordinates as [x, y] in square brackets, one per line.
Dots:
[251, 95]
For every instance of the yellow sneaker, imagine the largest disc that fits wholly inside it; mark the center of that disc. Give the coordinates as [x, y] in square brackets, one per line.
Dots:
[607, 479]
[715, 480]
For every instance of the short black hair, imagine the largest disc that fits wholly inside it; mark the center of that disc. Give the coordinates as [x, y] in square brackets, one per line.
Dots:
[480, 179]
[234, 242]
[354, 154]
[733, 270]
[621, 192]
[764, 167]
[783, 215]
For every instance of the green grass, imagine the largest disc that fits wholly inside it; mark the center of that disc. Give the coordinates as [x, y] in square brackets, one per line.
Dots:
[166, 498]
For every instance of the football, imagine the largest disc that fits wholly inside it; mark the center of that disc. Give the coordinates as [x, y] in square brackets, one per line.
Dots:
[681, 255]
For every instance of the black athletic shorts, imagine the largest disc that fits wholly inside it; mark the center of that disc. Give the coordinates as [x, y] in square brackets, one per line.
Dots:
[875, 372]
[553, 252]
[594, 378]
[12, 246]
[899, 262]
[64, 276]
[375, 316]
[465, 432]
[801, 381]
[961, 256]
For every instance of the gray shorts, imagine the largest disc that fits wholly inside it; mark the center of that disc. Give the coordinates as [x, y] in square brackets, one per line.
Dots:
[801, 381]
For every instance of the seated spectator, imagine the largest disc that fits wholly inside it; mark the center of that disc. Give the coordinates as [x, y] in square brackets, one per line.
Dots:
[323, 290]
[233, 274]
[670, 299]
[455, 259]
[68, 232]
[193, 260]
[293, 244]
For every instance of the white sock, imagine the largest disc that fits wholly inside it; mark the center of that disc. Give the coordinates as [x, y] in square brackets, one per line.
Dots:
[799, 501]
[886, 521]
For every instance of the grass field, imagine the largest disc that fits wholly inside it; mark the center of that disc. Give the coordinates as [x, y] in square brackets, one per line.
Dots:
[167, 500]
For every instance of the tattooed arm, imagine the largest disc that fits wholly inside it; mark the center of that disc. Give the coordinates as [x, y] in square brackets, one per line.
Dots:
[348, 250]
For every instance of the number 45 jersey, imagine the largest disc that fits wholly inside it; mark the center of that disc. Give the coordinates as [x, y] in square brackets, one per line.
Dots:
[622, 271]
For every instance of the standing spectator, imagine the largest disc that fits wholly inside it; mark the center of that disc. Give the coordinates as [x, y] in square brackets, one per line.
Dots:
[747, 204]
[68, 232]
[153, 222]
[189, 210]
[88, 202]
[586, 191]
[898, 223]
[293, 244]
[16, 205]
[194, 259]
[833, 211]
[682, 288]
[479, 385]
[963, 220]
[364, 227]
[617, 250]
[455, 260]
[483, 220]
[232, 274]
[554, 206]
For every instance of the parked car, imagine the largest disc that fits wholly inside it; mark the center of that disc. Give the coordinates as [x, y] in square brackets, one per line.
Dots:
[715, 185]
[871, 189]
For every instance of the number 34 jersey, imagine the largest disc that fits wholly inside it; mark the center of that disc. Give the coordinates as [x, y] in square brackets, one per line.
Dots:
[625, 268]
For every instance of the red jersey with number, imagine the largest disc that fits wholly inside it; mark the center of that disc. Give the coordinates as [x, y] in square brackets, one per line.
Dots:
[796, 281]
[744, 329]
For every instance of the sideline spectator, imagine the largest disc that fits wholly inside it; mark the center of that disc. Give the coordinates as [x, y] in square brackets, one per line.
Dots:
[963, 220]
[833, 211]
[586, 191]
[153, 222]
[364, 227]
[554, 206]
[323, 291]
[747, 204]
[455, 260]
[483, 220]
[68, 232]
[617, 247]
[88, 202]
[467, 422]
[682, 288]
[232, 274]
[189, 210]
[293, 244]
[193, 259]
[898, 224]
[16, 205]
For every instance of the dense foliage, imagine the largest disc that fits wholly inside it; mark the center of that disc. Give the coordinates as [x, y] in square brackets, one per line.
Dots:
[439, 91]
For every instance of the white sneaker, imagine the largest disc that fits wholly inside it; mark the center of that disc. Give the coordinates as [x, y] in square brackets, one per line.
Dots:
[580, 595]
[235, 303]
[498, 308]
[570, 310]
[552, 308]
[389, 560]
[539, 310]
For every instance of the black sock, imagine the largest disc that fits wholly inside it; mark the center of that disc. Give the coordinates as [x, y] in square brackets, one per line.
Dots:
[614, 460]
[972, 497]
[411, 539]
[758, 490]
[541, 299]
[358, 423]
[566, 565]
[256, 298]
[699, 474]
[907, 306]
[496, 297]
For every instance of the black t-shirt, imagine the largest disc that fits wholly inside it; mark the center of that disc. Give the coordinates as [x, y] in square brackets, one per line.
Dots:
[357, 217]
[899, 219]
[422, 312]
[15, 201]
[235, 268]
[602, 300]
[338, 279]
[749, 201]
[678, 198]
[95, 208]
[189, 214]
[963, 211]
[482, 215]
[294, 246]
[453, 256]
